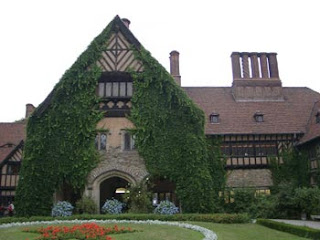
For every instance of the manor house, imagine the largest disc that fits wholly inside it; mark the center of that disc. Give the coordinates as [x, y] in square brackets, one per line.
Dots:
[256, 118]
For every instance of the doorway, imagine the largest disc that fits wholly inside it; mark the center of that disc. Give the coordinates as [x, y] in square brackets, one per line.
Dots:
[113, 187]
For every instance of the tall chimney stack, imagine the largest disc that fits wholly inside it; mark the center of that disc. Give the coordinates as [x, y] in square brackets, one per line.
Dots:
[256, 77]
[29, 109]
[174, 66]
[126, 22]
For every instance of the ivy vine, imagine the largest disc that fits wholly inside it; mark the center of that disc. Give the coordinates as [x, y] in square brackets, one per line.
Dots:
[169, 130]
[60, 135]
[170, 135]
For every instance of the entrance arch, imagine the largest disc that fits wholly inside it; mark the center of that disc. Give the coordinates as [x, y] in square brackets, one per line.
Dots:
[104, 185]
[113, 187]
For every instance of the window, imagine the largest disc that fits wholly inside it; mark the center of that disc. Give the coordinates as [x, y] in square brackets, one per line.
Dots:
[101, 141]
[266, 149]
[13, 169]
[258, 117]
[115, 89]
[128, 142]
[214, 118]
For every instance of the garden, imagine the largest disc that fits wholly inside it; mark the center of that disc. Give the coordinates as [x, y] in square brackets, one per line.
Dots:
[164, 222]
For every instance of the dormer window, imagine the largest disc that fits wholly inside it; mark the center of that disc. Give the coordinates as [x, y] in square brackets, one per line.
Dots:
[258, 117]
[214, 118]
[318, 117]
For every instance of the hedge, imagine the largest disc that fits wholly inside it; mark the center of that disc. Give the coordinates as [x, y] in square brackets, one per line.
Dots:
[215, 218]
[296, 230]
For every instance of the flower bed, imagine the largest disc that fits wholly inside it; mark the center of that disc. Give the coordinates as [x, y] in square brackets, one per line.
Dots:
[208, 234]
[83, 231]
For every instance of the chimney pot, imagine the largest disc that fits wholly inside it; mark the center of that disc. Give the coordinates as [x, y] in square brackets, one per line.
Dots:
[29, 109]
[174, 66]
[126, 22]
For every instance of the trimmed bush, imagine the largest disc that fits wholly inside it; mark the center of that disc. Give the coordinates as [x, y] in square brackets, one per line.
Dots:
[112, 206]
[296, 230]
[86, 205]
[215, 218]
[166, 208]
[62, 209]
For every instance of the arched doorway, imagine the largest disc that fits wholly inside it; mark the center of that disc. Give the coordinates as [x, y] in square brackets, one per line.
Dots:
[113, 187]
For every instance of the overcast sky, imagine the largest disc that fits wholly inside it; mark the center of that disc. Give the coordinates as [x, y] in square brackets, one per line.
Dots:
[41, 39]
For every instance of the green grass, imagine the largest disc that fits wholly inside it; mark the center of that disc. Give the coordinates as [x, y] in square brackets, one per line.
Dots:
[247, 231]
[161, 232]
[145, 232]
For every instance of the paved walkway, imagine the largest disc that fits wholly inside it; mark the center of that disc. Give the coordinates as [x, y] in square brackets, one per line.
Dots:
[311, 224]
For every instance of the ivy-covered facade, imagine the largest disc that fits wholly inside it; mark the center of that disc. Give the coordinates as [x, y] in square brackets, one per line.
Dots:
[117, 118]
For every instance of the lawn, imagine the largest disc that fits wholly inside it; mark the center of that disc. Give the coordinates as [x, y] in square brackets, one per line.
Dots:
[160, 232]
[145, 232]
[247, 232]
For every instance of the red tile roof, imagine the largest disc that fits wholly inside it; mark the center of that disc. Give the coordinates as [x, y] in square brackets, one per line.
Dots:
[288, 116]
[10, 133]
[313, 128]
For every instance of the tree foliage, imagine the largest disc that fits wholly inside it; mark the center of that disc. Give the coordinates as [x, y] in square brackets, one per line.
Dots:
[293, 168]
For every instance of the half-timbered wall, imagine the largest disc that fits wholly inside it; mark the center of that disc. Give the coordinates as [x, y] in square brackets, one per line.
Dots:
[9, 175]
[313, 150]
[115, 86]
[254, 151]
[119, 56]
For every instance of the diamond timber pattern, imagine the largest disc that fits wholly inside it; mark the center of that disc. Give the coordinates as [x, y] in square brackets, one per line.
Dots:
[119, 56]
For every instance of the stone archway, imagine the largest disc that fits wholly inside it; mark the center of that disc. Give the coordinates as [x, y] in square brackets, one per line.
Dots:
[113, 187]
[105, 184]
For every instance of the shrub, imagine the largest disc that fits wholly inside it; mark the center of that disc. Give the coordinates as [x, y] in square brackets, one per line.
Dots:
[215, 218]
[86, 205]
[166, 208]
[286, 206]
[296, 230]
[112, 206]
[62, 209]
[266, 206]
[308, 200]
[242, 200]
[138, 200]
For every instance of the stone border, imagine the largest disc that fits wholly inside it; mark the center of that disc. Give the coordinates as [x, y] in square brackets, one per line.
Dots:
[208, 234]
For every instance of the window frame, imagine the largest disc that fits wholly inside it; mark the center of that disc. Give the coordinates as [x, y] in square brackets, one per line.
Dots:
[214, 118]
[98, 143]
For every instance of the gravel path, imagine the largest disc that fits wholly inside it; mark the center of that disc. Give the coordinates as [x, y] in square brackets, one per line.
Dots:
[311, 224]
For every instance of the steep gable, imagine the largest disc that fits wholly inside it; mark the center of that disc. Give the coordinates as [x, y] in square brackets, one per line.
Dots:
[11, 134]
[111, 51]
[313, 127]
[119, 56]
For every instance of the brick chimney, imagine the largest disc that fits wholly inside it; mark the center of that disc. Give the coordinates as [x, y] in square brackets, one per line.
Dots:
[126, 22]
[29, 109]
[256, 77]
[174, 66]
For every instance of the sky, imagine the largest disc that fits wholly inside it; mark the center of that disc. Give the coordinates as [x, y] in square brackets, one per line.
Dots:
[41, 39]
